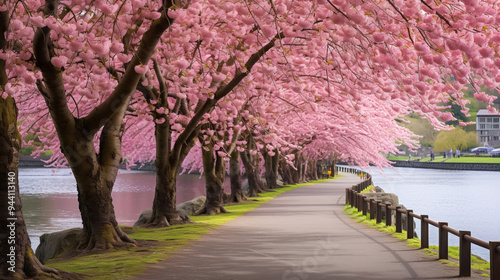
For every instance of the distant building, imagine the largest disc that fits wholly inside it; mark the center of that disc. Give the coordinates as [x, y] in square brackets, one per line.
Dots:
[488, 128]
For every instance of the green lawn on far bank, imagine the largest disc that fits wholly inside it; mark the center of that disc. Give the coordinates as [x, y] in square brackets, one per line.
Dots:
[156, 245]
[455, 160]
[474, 160]
[401, 158]
[436, 159]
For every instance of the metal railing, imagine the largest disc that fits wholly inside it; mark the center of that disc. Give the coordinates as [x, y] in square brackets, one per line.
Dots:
[364, 204]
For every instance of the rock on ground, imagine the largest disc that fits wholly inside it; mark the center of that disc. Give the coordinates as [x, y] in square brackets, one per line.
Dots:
[53, 244]
[188, 208]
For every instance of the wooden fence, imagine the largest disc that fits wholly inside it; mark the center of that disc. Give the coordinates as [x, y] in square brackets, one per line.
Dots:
[364, 204]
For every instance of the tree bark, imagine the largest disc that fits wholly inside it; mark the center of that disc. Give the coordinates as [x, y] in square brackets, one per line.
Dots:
[237, 194]
[285, 173]
[270, 164]
[313, 173]
[17, 260]
[168, 163]
[95, 176]
[214, 171]
[334, 162]
[164, 205]
[254, 184]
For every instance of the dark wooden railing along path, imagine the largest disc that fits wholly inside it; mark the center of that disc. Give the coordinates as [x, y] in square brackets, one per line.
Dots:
[364, 204]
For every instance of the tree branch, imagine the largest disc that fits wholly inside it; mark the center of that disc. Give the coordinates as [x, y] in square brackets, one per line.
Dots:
[128, 83]
[222, 91]
[54, 91]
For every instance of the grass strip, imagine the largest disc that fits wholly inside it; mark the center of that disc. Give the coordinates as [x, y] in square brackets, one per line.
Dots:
[157, 244]
[474, 160]
[453, 251]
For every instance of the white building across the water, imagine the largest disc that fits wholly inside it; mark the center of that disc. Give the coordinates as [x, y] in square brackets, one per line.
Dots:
[488, 128]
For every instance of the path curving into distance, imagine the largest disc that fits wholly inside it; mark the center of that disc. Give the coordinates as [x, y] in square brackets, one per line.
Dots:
[300, 235]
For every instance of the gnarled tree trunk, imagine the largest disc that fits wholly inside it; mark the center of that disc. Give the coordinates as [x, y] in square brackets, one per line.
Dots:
[214, 171]
[254, 184]
[17, 260]
[95, 175]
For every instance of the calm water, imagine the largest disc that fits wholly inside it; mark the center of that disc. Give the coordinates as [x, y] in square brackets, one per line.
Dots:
[50, 203]
[467, 200]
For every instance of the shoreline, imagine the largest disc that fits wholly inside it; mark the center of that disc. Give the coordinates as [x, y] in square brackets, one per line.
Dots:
[30, 162]
[448, 165]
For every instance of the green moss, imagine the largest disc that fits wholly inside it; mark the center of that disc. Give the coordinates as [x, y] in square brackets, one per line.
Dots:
[159, 243]
[368, 189]
[453, 251]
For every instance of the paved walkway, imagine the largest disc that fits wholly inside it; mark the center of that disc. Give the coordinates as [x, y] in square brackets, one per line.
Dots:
[302, 234]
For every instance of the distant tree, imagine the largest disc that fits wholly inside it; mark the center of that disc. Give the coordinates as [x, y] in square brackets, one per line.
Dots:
[456, 111]
[455, 139]
[422, 126]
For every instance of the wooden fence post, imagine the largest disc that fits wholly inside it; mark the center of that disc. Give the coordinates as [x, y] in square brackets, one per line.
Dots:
[388, 215]
[464, 257]
[494, 260]
[379, 211]
[424, 232]
[409, 224]
[347, 193]
[372, 209]
[399, 227]
[365, 205]
[443, 241]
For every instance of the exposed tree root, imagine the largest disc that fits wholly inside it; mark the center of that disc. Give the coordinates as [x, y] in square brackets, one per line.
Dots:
[212, 210]
[107, 237]
[237, 197]
[32, 268]
[167, 220]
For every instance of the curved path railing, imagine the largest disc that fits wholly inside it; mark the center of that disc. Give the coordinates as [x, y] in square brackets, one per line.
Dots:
[364, 204]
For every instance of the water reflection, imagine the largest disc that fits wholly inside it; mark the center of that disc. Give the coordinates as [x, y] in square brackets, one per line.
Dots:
[50, 202]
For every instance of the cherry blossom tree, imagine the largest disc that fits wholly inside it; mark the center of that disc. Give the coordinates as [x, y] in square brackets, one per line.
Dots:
[77, 47]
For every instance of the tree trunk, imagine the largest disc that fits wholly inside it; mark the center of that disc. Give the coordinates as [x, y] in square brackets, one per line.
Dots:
[17, 260]
[167, 167]
[254, 185]
[285, 173]
[334, 162]
[295, 172]
[164, 205]
[270, 163]
[95, 178]
[313, 170]
[214, 171]
[275, 165]
[237, 194]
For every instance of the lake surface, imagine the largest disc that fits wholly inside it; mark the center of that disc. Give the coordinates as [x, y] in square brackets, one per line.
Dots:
[50, 202]
[467, 200]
